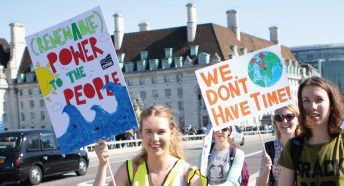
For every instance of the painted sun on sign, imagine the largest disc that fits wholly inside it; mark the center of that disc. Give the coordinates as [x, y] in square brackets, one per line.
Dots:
[47, 80]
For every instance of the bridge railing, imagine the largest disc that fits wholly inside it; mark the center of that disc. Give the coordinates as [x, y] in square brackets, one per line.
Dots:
[138, 142]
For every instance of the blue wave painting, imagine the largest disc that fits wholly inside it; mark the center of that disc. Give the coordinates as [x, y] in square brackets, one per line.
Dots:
[80, 132]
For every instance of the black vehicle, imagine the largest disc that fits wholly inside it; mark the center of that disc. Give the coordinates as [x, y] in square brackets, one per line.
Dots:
[31, 155]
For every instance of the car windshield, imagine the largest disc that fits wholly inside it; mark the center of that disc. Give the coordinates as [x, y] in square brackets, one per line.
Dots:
[9, 142]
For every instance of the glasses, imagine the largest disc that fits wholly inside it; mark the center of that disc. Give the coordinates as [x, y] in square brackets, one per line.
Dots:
[224, 130]
[288, 117]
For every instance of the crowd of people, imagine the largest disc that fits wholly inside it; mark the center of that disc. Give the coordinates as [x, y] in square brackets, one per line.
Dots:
[308, 149]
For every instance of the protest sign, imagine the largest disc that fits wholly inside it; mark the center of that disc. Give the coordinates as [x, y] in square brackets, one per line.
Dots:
[207, 142]
[80, 79]
[238, 89]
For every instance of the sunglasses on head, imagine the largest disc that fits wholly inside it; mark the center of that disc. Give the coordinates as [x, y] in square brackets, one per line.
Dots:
[288, 117]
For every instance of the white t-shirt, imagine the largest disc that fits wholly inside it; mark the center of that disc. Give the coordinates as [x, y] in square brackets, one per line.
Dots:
[218, 166]
[220, 171]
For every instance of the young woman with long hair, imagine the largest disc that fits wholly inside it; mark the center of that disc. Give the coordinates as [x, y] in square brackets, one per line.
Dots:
[220, 170]
[161, 160]
[316, 157]
[286, 126]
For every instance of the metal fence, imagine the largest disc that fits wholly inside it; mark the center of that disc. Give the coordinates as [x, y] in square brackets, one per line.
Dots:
[138, 142]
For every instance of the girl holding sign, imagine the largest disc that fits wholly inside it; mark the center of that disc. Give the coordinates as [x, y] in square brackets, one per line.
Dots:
[316, 157]
[286, 126]
[161, 160]
[221, 169]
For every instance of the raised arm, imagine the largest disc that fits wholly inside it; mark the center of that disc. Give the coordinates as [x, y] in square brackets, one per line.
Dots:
[121, 176]
[103, 156]
[265, 168]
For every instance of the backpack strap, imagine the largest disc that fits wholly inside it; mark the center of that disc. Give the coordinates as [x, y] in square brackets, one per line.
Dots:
[232, 152]
[296, 151]
[270, 150]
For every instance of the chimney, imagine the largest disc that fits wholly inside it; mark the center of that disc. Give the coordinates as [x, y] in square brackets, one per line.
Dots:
[18, 45]
[274, 34]
[119, 31]
[192, 22]
[144, 26]
[233, 22]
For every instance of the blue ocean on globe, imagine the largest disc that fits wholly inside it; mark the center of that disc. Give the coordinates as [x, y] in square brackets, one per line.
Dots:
[265, 69]
[81, 132]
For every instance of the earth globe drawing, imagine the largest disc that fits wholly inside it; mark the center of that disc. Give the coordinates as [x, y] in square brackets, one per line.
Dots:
[265, 69]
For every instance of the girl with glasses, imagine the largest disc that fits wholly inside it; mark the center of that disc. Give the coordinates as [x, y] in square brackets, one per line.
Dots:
[220, 170]
[161, 161]
[286, 126]
[316, 157]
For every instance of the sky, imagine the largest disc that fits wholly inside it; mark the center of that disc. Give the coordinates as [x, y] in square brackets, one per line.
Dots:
[300, 22]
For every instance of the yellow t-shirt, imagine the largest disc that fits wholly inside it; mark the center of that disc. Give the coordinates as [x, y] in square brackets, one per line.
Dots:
[320, 164]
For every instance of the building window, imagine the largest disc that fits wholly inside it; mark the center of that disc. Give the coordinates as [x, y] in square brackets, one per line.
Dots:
[32, 104]
[32, 114]
[4, 118]
[142, 81]
[21, 104]
[30, 92]
[180, 92]
[167, 79]
[155, 93]
[42, 115]
[179, 77]
[143, 94]
[130, 82]
[181, 121]
[22, 115]
[205, 120]
[154, 80]
[41, 103]
[180, 105]
[167, 92]
[168, 104]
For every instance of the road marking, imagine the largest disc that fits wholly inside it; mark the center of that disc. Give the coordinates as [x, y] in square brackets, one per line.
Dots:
[253, 177]
[253, 153]
[90, 183]
[96, 163]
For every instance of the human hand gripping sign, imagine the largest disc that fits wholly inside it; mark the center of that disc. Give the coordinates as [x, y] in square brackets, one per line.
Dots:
[102, 152]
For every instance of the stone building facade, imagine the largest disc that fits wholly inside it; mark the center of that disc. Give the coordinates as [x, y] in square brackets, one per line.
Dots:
[158, 67]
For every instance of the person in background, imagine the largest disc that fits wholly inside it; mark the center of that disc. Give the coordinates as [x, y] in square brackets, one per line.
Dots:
[220, 171]
[286, 126]
[161, 160]
[315, 157]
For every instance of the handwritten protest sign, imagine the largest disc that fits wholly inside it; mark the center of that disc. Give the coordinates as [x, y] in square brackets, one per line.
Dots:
[81, 82]
[205, 151]
[238, 89]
